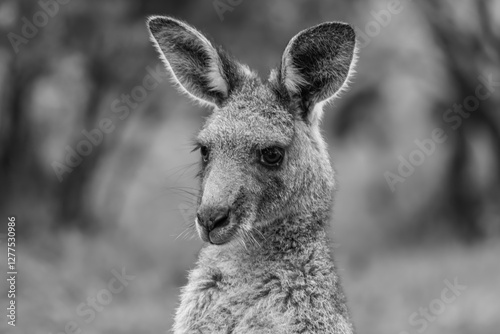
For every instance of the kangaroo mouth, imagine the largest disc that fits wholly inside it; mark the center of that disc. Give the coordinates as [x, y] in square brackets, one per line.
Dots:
[218, 235]
[222, 235]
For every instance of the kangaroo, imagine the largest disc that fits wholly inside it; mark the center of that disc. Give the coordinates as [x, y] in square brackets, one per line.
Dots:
[266, 184]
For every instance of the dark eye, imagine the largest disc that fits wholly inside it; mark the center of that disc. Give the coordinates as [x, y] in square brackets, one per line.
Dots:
[205, 153]
[272, 156]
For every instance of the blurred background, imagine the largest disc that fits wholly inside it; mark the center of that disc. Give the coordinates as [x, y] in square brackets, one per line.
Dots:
[95, 159]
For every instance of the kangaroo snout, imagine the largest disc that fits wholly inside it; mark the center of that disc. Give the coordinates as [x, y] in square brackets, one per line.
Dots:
[213, 224]
[213, 217]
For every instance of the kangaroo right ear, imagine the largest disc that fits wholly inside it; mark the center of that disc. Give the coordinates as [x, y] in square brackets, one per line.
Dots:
[199, 69]
[316, 65]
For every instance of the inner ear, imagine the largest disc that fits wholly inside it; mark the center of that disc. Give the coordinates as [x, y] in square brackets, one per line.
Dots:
[203, 71]
[316, 65]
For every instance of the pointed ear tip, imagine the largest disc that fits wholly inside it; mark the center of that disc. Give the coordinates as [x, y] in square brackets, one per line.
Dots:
[340, 24]
[156, 23]
[336, 28]
[348, 28]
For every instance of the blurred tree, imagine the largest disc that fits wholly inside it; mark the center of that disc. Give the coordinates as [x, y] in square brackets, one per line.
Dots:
[470, 48]
[109, 38]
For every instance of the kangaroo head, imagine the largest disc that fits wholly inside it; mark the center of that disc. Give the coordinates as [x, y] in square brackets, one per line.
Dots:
[262, 156]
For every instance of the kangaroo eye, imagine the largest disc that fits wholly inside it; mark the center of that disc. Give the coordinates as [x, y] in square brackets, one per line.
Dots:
[272, 156]
[205, 153]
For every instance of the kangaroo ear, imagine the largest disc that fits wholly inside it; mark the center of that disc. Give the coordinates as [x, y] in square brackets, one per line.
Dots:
[316, 65]
[202, 71]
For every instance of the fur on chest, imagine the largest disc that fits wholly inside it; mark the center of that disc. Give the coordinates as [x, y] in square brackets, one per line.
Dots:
[273, 301]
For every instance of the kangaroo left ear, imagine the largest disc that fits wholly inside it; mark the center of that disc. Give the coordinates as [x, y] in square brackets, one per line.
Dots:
[316, 66]
[206, 73]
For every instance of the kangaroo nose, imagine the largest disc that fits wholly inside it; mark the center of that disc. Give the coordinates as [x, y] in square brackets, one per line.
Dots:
[212, 218]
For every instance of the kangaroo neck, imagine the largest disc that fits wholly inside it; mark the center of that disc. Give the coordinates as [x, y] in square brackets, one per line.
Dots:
[293, 234]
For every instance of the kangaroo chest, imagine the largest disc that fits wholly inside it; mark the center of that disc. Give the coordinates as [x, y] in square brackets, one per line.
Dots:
[275, 300]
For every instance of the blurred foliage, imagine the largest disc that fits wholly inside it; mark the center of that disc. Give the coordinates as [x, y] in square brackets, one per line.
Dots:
[130, 196]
